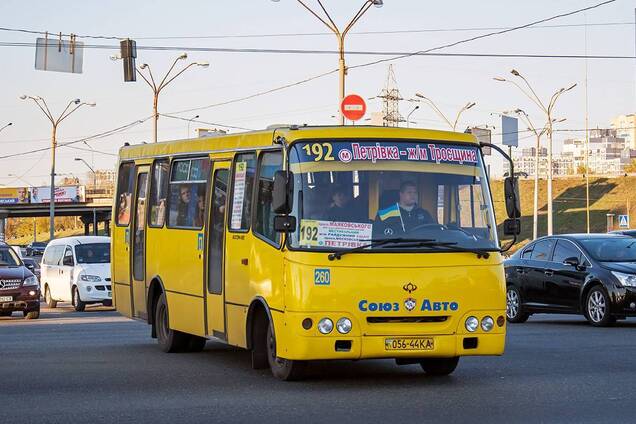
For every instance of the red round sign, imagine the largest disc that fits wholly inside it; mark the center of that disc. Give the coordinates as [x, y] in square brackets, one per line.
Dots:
[353, 107]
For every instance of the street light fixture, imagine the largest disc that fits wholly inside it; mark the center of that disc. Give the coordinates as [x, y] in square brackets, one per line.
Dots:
[329, 23]
[547, 109]
[167, 79]
[92, 170]
[189, 122]
[55, 122]
[409, 115]
[441, 114]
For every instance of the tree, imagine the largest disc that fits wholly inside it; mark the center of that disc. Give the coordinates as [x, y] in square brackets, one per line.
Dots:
[631, 167]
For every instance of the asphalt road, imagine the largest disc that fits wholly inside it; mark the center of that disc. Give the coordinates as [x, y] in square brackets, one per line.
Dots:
[97, 366]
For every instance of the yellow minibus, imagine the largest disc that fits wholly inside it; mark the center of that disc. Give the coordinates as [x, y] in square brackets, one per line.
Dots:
[314, 243]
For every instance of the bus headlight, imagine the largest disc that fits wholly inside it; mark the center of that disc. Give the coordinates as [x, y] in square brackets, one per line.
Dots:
[343, 325]
[487, 323]
[325, 326]
[471, 324]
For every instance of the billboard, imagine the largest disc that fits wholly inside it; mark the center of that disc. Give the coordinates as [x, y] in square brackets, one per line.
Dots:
[63, 194]
[509, 131]
[13, 195]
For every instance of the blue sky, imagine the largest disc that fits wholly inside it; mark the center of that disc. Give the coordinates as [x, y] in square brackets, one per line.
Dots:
[451, 82]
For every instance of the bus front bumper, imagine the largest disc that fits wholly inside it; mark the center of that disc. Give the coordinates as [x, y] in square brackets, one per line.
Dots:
[366, 347]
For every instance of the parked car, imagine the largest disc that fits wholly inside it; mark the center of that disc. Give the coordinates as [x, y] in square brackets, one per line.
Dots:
[77, 270]
[19, 288]
[589, 274]
[33, 265]
[35, 248]
[631, 233]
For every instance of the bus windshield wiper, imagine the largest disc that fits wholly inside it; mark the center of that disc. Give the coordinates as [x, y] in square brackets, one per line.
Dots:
[376, 243]
[452, 246]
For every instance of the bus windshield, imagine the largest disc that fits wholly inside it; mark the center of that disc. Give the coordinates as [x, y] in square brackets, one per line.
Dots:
[348, 193]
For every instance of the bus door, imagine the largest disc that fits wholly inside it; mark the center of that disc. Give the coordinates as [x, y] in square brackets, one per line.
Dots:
[138, 243]
[215, 250]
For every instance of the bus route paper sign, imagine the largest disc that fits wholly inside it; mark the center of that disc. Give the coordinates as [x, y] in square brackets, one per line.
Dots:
[334, 233]
[239, 195]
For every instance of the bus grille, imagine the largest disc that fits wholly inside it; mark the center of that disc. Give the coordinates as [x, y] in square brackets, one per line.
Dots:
[399, 320]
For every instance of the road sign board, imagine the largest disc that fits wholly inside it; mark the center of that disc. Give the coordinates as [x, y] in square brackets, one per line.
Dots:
[623, 221]
[353, 107]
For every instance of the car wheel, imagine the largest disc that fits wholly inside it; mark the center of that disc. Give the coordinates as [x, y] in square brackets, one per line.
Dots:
[283, 369]
[169, 340]
[439, 366]
[514, 309]
[597, 308]
[48, 299]
[77, 302]
[31, 314]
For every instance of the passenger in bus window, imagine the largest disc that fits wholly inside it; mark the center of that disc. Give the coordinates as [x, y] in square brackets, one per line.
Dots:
[123, 216]
[183, 206]
[340, 208]
[403, 216]
[199, 218]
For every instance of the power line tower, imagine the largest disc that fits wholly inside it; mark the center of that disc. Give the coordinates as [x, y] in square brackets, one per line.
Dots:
[391, 97]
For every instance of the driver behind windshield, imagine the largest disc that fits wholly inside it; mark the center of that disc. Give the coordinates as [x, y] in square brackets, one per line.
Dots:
[399, 218]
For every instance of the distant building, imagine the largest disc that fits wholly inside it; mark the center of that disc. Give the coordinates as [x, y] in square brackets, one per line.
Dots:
[607, 154]
[210, 132]
[625, 127]
[525, 163]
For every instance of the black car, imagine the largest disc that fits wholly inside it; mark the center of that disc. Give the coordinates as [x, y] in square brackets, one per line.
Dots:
[631, 233]
[33, 264]
[35, 248]
[589, 274]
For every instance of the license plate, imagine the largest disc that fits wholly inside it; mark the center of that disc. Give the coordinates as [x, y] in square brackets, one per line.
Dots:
[409, 343]
[6, 298]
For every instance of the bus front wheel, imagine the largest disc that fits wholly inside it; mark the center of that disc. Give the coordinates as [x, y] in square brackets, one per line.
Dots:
[283, 369]
[439, 366]
[169, 340]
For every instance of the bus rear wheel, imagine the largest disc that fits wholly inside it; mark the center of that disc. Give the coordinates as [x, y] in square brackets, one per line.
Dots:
[169, 340]
[283, 369]
[439, 366]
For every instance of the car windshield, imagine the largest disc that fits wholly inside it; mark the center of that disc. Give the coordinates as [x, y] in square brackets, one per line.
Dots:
[8, 257]
[347, 193]
[611, 249]
[93, 253]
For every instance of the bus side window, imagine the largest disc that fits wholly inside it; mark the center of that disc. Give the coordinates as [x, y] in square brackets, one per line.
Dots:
[124, 193]
[270, 162]
[244, 171]
[159, 193]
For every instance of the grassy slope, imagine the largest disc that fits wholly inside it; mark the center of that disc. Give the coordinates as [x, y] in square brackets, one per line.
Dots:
[607, 195]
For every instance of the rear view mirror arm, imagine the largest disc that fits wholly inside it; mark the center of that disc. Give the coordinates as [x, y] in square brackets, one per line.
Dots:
[512, 173]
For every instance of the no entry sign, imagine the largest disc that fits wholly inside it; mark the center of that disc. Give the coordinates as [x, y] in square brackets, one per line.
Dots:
[353, 107]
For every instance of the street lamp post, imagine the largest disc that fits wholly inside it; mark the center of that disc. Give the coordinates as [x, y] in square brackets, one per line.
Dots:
[92, 170]
[342, 68]
[548, 110]
[409, 115]
[189, 122]
[439, 112]
[167, 79]
[55, 122]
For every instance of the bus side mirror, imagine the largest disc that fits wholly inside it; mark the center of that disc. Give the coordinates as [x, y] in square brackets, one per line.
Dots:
[284, 223]
[282, 195]
[511, 194]
[512, 227]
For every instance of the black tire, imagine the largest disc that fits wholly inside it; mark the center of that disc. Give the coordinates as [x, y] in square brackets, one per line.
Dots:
[170, 341]
[514, 309]
[195, 344]
[48, 299]
[439, 366]
[283, 369]
[107, 303]
[597, 308]
[5, 313]
[31, 314]
[77, 302]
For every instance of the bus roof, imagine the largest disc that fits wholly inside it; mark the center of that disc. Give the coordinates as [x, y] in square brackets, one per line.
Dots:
[264, 138]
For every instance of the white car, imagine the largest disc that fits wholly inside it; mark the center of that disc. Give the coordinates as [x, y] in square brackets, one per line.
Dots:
[77, 270]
